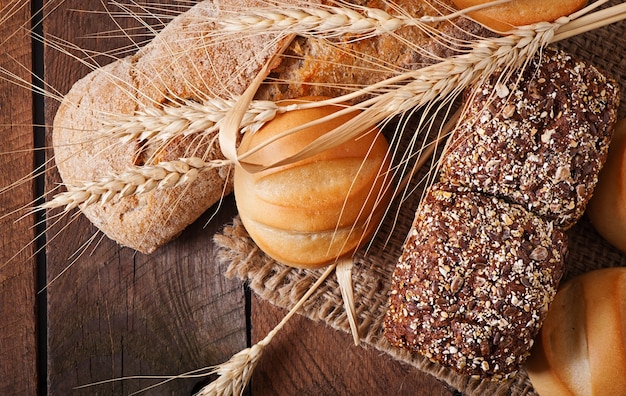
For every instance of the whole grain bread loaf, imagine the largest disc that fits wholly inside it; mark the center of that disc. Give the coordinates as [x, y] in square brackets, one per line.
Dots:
[486, 251]
[184, 62]
[474, 282]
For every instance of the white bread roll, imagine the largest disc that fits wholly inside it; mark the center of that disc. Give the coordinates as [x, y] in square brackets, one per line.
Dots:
[607, 208]
[311, 212]
[581, 349]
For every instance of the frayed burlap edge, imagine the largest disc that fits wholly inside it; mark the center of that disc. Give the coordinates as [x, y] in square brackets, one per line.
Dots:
[283, 286]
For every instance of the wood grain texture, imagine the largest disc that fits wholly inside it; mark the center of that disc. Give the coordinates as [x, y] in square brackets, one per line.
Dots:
[18, 342]
[113, 312]
[310, 358]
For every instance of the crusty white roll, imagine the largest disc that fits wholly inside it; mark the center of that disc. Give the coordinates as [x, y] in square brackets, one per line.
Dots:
[581, 349]
[311, 212]
[607, 208]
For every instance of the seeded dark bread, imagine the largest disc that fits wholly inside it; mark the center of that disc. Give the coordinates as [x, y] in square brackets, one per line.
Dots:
[528, 155]
[474, 282]
[540, 143]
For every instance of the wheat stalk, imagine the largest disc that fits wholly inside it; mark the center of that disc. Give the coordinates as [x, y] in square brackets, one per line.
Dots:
[181, 119]
[135, 180]
[330, 21]
[393, 96]
[415, 89]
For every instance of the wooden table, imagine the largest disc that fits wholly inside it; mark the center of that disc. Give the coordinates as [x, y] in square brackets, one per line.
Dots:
[76, 309]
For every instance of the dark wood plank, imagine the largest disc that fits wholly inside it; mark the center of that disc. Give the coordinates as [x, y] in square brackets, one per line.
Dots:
[18, 374]
[310, 358]
[115, 313]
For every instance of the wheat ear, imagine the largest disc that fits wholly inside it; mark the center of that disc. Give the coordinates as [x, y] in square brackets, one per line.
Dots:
[329, 21]
[135, 180]
[181, 119]
[415, 89]
[404, 92]
[235, 374]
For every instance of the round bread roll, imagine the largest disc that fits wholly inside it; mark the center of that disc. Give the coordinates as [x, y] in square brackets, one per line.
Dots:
[607, 208]
[505, 16]
[581, 349]
[309, 213]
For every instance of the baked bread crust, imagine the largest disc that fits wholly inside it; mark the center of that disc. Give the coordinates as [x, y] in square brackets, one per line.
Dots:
[581, 349]
[178, 63]
[333, 67]
[607, 208]
[474, 282]
[540, 143]
[520, 167]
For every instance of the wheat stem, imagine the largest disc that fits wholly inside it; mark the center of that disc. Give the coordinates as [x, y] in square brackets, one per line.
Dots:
[135, 180]
[344, 279]
[235, 374]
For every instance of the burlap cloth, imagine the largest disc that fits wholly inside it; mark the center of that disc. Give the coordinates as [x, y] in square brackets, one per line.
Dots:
[283, 286]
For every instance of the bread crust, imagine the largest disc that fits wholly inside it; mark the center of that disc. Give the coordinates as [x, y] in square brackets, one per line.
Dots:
[505, 16]
[333, 67]
[474, 282]
[541, 143]
[607, 208]
[310, 213]
[519, 169]
[178, 63]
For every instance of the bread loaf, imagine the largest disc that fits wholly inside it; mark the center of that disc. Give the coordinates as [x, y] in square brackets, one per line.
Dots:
[181, 63]
[581, 349]
[333, 67]
[503, 17]
[607, 208]
[176, 64]
[474, 281]
[486, 251]
[541, 143]
[313, 211]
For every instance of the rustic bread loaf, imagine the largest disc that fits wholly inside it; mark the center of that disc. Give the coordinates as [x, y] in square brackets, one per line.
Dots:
[178, 63]
[541, 143]
[183, 63]
[474, 282]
